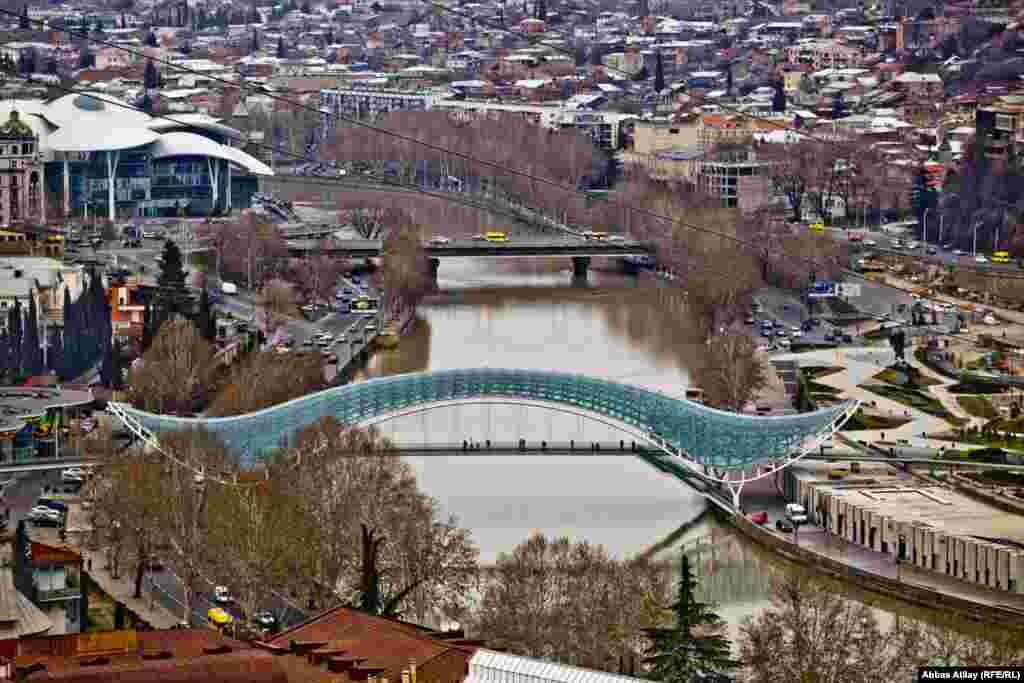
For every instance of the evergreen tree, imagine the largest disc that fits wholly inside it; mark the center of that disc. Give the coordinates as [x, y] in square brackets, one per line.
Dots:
[15, 325]
[151, 40]
[117, 366]
[207, 320]
[150, 77]
[281, 51]
[839, 108]
[659, 73]
[86, 59]
[728, 79]
[31, 353]
[255, 40]
[172, 296]
[695, 646]
[23, 22]
[922, 195]
[55, 352]
[72, 329]
[147, 327]
[779, 98]
[540, 9]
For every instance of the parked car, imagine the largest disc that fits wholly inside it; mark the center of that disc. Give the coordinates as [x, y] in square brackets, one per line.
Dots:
[41, 514]
[439, 240]
[222, 596]
[53, 505]
[265, 619]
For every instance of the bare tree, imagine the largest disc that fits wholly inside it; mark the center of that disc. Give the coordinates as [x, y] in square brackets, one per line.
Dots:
[556, 598]
[351, 484]
[731, 372]
[811, 633]
[265, 379]
[276, 304]
[174, 373]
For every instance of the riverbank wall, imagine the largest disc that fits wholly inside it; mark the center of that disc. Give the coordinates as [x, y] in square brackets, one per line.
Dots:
[919, 596]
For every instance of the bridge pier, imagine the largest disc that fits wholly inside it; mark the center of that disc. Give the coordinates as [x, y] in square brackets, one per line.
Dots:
[580, 267]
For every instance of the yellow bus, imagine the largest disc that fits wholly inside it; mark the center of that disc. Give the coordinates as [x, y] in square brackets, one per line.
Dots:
[496, 237]
[1001, 257]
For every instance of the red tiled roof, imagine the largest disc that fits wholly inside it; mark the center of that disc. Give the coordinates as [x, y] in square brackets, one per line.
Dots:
[48, 554]
[386, 644]
[250, 666]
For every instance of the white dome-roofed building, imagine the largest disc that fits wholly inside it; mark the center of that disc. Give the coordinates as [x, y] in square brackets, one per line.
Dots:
[106, 157]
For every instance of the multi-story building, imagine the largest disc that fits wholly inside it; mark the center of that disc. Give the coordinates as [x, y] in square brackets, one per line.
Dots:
[653, 136]
[108, 159]
[21, 174]
[823, 54]
[737, 181]
[918, 85]
[1001, 125]
[367, 103]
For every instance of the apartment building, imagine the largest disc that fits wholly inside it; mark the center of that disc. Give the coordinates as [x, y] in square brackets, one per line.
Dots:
[823, 54]
[367, 103]
[1001, 124]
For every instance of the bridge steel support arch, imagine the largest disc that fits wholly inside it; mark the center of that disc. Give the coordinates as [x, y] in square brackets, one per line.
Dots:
[692, 436]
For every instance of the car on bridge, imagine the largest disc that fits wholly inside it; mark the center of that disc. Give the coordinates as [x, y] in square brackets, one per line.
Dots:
[439, 241]
[496, 236]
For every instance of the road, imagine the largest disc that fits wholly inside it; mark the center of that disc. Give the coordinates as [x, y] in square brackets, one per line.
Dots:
[142, 262]
[881, 242]
[167, 586]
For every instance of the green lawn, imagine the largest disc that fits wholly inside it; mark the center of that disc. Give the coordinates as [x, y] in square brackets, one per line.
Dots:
[978, 406]
[975, 387]
[861, 421]
[913, 399]
[817, 371]
[899, 378]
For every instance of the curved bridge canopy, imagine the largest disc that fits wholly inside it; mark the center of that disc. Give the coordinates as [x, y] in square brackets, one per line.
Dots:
[703, 435]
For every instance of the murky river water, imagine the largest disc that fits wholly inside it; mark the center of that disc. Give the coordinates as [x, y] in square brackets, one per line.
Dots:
[613, 328]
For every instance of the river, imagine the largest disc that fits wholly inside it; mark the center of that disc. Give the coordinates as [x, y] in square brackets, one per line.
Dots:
[614, 327]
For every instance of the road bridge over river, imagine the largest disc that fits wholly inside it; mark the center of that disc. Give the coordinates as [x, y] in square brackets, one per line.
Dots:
[581, 251]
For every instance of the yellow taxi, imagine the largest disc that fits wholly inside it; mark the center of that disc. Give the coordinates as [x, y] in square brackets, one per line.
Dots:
[496, 237]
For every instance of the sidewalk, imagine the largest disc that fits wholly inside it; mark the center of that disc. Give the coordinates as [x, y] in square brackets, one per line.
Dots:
[857, 370]
[831, 546]
[122, 589]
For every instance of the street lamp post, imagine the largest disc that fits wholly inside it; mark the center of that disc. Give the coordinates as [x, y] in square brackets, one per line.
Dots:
[924, 226]
[942, 219]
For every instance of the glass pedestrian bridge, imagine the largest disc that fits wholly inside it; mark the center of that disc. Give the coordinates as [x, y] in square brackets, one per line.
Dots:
[681, 428]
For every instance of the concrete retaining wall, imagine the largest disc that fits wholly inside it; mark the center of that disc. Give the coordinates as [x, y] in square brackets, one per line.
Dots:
[916, 595]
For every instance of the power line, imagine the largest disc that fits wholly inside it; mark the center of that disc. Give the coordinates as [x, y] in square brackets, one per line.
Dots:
[467, 157]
